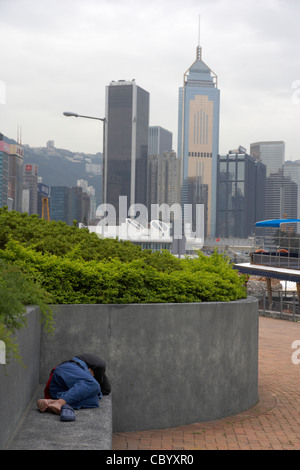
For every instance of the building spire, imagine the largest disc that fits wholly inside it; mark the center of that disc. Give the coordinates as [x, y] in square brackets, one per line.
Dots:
[199, 48]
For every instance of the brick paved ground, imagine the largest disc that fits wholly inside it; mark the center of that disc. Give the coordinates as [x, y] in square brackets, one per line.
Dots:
[273, 424]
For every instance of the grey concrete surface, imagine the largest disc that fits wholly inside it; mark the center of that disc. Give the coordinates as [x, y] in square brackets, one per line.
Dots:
[168, 364]
[91, 430]
[19, 382]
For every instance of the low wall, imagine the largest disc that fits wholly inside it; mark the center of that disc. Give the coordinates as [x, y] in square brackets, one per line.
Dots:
[19, 383]
[168, 364]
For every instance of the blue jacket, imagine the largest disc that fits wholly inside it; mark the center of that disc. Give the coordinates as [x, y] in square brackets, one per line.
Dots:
[73, 382]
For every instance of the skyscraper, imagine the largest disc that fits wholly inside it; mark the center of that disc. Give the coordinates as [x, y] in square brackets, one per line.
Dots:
[69, 204]
[126, 148]
[271, 153]
[163, 182]
[4, 155]
[160, 140]
[241, 188]
[15, 175]
[30, 189]
[198, 135]
[291, 169]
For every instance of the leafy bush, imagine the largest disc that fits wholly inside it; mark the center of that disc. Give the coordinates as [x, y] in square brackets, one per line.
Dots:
[60, 239]
[16, 291]
[151, 280]
[75, 266]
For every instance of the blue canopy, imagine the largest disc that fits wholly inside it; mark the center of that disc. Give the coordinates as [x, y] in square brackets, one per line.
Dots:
[276, 222]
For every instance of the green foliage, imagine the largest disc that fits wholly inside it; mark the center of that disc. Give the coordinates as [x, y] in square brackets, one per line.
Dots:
[60, 239]
[18, 289]
[74, 266]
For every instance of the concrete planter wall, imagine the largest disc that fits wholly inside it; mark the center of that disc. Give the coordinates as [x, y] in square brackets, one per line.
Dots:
[169, 364]
[18, 383]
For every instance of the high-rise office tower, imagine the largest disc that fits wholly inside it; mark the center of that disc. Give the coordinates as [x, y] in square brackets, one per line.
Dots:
[241, 189]
[30, 189]
[69, 204]
[163, 184]
[126, 147]
[198, 135]
[291, 169]
[15, 175]
[4, 155]
[160, 140]
[271, 153]
[282, 195]
[61, 204]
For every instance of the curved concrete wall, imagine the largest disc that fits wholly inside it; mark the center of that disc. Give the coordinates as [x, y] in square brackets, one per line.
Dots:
[19, 382]
[169, 364]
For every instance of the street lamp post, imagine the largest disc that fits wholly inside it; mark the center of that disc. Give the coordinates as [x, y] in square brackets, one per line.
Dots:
[69, 114]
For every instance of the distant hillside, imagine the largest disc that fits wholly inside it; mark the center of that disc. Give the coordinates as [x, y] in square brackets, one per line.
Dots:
[60, 167]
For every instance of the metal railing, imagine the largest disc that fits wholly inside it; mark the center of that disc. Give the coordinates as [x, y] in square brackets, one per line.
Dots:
[277, 251]
[282, 305]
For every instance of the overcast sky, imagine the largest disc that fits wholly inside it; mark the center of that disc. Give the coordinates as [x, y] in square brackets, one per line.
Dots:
[59, 55]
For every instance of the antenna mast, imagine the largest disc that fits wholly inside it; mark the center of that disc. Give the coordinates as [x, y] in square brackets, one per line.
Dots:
[199, 49]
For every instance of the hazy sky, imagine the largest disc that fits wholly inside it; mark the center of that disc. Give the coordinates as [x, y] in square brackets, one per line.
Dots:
[59, 55]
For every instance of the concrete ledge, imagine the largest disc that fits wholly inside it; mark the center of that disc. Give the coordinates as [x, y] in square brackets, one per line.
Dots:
[168, 364]
[19, 383]
[92, 429]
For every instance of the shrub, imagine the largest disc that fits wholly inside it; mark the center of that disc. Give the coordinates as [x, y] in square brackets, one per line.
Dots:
[150, 280]
[75, 266]
[16, 291]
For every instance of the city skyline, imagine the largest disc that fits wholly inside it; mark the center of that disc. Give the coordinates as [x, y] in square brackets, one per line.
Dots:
[59, 56]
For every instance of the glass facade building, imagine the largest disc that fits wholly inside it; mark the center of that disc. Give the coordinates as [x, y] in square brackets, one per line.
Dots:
[278, 188]
[69, 204]
[60, 204]
[163, 184]
[291, 169]
[126, 144]
[159, 141]
[15, 175]
[271, 153]
[198, 135]
[241, 183]
[4, 155]
[30, 189]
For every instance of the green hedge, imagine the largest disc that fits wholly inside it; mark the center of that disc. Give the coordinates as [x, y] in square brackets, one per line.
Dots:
[114, 281]
[74, 266]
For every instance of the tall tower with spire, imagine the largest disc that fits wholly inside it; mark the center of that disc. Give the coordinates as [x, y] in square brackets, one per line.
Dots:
[198, 137]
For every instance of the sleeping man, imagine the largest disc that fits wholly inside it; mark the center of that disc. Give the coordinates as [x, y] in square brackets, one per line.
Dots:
[77, 383]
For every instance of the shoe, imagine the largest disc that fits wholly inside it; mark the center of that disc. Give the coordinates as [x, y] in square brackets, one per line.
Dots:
[67, 413]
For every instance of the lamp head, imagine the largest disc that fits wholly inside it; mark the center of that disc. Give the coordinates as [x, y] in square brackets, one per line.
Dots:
[68, 114]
